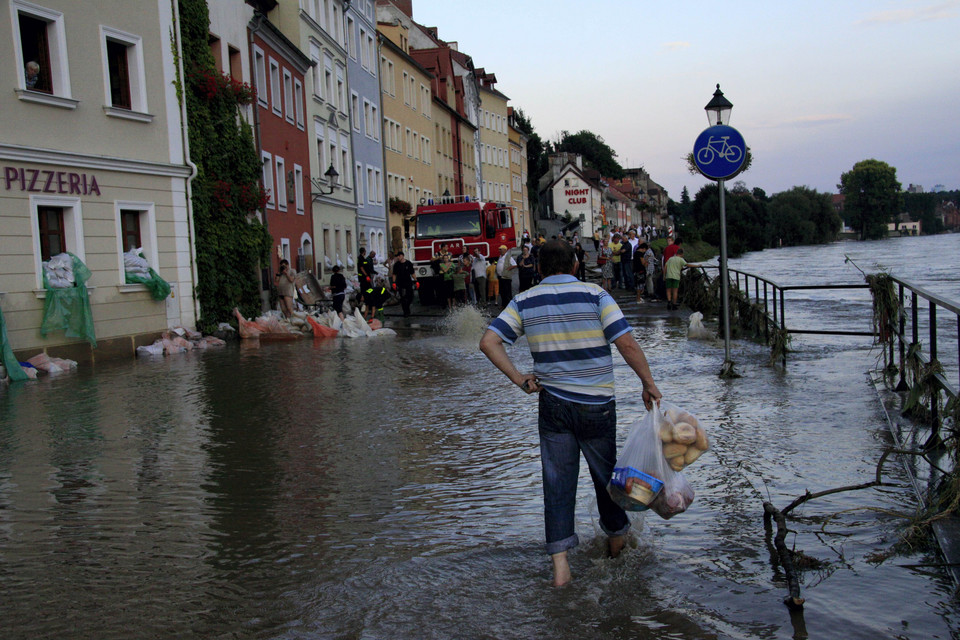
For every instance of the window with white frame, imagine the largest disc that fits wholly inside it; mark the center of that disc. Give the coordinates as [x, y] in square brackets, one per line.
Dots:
[341, 89]
[371, 45]
[413, 93]
[375, 121]
[316, 70]
[260, 70]
[409, 142]
[136, 226]
[40, 47]
[333, 153]
[288, 96]
[416, 145]
[282, 192]
[351, 37]
[387, 77]
[378, 176]
[57, 225]
[426, 151]
[298, 98]
[355, 110]
[328, 78]
[276, 102]
[424, 100]
[345, 162]
[336, 28]
[298, 187]
[406, 88]
[371, 186]
[123, 72]
[318, 129]
[364, 52]
[267, 176]
[358, 180]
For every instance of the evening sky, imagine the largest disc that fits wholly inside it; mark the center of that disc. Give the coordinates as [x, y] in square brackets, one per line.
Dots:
[816, 85]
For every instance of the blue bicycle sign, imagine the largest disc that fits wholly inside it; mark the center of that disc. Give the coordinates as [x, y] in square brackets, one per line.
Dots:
[719, 152]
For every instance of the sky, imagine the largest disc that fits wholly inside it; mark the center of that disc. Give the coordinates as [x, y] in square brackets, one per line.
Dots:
[816, 86]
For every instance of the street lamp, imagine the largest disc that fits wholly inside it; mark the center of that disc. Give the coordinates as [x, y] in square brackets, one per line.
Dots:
[718, 109]
[333, 176]
[718, 113]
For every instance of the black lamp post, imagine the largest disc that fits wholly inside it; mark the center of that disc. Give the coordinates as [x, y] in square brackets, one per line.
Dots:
[333, 177]
[718, 109]
[718, 113]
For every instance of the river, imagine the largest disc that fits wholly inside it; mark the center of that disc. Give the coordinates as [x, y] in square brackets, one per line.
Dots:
[390, 488]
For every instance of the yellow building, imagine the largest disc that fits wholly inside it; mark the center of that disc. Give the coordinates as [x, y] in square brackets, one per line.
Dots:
[409, 129]
[518, 178]
[494, 140]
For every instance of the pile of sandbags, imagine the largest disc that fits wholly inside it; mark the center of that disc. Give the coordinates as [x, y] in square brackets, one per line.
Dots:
[179, 340]
[44, 363]
[135, 264]
[59, 271]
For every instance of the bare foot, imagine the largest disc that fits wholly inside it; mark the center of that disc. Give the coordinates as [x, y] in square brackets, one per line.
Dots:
[615, 544]
[561, 569]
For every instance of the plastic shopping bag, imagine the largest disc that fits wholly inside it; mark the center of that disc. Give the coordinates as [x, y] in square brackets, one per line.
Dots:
[697, 331]
[640, 469]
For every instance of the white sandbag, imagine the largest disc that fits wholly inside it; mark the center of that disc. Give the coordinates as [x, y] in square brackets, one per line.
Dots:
[384, 332]
[697, 331]
[155, 349]
[350, 262]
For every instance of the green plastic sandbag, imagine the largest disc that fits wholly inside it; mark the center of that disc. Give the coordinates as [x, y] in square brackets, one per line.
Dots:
[14, 370]
[158, 287]
[68, 310]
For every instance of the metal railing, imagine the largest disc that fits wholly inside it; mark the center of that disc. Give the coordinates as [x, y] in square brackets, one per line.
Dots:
[773, 298]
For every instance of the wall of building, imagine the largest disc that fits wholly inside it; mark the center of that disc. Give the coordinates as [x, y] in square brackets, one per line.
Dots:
[78, 151]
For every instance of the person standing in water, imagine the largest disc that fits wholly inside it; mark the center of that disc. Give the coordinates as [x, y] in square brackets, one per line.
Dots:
[570, 326]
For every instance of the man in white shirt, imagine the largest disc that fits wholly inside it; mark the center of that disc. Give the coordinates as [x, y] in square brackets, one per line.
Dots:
[505, 267]
[479, 276]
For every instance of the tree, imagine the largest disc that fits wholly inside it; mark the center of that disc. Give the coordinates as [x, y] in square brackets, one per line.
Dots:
[231, 243]
[802, 216]
[872, 197]
[537, 160]
[595, 151]
[746, 219]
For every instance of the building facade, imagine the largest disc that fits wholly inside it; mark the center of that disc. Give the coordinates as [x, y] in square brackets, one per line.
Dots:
[366, 115]
[118, 181]
[283, 145]
[519, 195]
[408, 126]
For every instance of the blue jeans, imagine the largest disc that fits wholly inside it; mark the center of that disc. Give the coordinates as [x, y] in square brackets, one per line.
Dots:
[567, 429]
[627, 268]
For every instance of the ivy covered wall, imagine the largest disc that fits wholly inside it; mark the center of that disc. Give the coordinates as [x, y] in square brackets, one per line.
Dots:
[231, 243]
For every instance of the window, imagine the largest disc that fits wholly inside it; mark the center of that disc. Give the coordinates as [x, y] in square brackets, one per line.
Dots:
[288, 96]
[341, 90]
[267, 176]
[282, 194]
[358, 180]
[416, 145]
[328, 78]
[318, 136]
[275, 99]
[355, 110]
[298, 98]
[364, 52]
[298, 187]
[406, 88]
[260, 69]
[136, 229]
[409, 142]
[426, 150]
[424, 100]
[371, 186]
[379, 179]
[333, 154]
[236, 62]
[41, 55]
[371, 55]
[51, 229]
[345, 160]
[316, 70]
[119, 75]
[129, 230]
[413, 99]
[388, 79]
[351, 39]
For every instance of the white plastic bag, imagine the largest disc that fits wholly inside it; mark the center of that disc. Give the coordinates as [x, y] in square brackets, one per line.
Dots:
[640, 469]
[350, 262]
[697, 331]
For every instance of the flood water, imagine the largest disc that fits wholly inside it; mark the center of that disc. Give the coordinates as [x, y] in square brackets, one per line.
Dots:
[390, 488]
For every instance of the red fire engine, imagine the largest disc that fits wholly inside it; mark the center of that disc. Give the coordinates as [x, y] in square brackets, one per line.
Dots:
[462, 223]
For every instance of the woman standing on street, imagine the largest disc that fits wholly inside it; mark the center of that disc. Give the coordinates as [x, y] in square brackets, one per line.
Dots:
[527, 269]
[581, 262]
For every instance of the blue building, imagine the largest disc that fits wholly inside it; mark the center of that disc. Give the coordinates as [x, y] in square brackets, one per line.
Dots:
[363, 62]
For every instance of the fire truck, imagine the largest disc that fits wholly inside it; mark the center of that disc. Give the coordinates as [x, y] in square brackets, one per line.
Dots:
[462, 223]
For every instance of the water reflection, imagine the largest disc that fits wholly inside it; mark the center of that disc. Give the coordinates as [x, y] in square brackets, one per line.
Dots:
[390, 488]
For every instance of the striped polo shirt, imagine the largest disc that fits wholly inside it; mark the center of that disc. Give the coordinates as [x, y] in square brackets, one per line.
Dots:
[569, 326]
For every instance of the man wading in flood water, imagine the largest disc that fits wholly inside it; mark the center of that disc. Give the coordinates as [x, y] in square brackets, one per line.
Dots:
[570, 326]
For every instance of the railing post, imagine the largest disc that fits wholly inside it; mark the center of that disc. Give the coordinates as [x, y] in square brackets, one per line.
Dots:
[783, 324]
[902, 385]
[935, 395]
[916, 328]
[766, 312]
